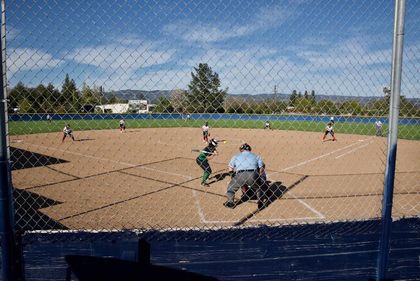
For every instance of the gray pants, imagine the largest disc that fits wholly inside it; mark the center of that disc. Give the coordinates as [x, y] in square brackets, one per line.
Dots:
[240, 179]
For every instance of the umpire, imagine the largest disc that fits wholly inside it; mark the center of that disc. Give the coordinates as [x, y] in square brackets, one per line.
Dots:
[246, 167]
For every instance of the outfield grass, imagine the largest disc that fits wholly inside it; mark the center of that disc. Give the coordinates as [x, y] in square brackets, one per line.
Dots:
[34, 127]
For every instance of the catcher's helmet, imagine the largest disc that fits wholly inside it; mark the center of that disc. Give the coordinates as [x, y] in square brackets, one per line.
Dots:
[213, 142]
[245, 146]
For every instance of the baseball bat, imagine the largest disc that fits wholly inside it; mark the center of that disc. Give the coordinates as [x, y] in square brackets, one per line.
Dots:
[199, 150]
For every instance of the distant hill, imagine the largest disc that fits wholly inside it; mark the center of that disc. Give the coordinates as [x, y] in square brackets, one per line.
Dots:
[153, 96]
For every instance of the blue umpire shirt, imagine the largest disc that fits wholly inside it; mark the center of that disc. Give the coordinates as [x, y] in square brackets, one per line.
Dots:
[246, 160]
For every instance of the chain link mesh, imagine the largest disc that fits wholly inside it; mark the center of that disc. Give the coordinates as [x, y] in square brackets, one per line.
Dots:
[109, 101]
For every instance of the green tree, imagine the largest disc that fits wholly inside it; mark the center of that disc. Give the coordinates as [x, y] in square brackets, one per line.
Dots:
[204, 94]
[179, 100]
[352, 107]
[407, 108]
[53, 96]
[70, 95]
[313, 96]
[303, 105]
[306, 95]
[326, 107]
[292, 98]
[164, 106]
[90, 96]
[16, 95]
[25, 106]
[233, 105]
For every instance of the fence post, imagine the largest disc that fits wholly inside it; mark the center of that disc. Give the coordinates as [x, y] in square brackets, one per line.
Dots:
[10, 257]
[397, 51]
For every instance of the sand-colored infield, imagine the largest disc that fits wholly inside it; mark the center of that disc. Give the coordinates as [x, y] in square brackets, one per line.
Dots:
[148, 178]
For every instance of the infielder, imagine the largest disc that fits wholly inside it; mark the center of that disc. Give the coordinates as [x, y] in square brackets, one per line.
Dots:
[267, 125]
[329, 130]
[206, 133]
[246, 168]
[202, 160]
[67, 131]
[122, 125]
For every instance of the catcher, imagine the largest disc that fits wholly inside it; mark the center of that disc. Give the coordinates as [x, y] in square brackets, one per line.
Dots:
[67, 131]
[202, 160]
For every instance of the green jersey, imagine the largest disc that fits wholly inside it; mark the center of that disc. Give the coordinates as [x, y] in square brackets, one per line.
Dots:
[206, 152]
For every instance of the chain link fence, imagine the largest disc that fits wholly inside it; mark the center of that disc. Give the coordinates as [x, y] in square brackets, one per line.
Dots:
[134, 114]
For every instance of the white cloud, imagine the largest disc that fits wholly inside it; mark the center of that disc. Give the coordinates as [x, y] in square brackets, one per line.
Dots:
[22, 59]
[164, 79]
[265, 18]
[121, 57]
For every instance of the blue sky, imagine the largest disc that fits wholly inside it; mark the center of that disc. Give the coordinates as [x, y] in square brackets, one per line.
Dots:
[333, 47]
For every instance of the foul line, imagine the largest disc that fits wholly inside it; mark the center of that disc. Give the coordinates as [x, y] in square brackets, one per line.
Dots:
[109, 160]
[317, 158]
[354, 149]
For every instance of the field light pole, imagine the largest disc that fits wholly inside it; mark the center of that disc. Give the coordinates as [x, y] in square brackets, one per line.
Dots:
[397, 52]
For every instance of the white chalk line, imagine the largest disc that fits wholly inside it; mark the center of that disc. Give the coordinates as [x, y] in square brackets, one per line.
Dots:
[200, 211]
[110, 160]
[319, 214]
[353, 150]
[316, 158]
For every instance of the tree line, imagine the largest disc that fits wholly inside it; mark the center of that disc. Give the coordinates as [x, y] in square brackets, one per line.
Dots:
[204, 95]
[48, 99]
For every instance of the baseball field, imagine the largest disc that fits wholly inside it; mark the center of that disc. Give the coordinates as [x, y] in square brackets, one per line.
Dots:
[148, 178]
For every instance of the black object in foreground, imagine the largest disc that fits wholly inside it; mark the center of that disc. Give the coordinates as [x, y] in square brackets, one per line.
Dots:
[88, 268]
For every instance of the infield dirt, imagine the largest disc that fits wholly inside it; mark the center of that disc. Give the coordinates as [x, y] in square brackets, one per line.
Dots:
[148, 178]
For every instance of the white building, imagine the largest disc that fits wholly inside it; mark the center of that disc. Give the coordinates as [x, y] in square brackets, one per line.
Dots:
[113, 108]
[133, 106]
[140, 106]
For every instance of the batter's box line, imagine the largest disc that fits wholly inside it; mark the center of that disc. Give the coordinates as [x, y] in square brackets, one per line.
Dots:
[205, 221]
[254, 213]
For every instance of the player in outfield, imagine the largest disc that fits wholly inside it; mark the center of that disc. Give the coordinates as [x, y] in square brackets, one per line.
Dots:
[329, 129]
[67, 132]
[203, 160]
[379, 130]
[122, 125]
[206, 133]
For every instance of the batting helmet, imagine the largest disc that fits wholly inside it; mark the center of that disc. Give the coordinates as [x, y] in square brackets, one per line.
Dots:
[245, 146]
[213, 142]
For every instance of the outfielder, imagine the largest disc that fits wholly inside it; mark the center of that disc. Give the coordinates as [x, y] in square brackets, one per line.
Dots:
[122, 125]
[67, 131]
[378, 126]
[247, 168]
[202, 160]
